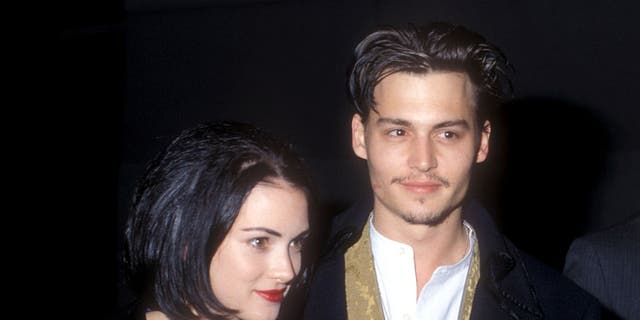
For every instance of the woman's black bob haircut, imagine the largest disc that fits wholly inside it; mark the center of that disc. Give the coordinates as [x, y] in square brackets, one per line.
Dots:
[185, 204]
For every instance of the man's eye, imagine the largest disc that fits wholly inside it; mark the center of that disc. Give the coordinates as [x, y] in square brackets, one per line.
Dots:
[397, 132]
[259, 243]
[449, 135]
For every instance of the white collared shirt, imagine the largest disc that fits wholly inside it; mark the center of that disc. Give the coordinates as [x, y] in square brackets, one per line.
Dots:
[440, 298]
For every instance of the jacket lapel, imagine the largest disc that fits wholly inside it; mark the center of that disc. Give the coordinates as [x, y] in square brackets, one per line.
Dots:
[504, 290]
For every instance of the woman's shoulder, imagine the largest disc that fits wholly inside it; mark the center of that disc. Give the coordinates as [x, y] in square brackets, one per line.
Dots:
[156, 315]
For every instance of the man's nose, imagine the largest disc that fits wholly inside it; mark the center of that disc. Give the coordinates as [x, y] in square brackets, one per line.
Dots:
[422, 154]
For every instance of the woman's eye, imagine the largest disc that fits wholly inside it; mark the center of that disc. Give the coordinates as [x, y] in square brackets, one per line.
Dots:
[297, 244]
[259, 243]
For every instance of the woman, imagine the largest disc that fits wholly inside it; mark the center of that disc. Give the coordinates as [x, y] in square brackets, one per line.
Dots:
[217, 226]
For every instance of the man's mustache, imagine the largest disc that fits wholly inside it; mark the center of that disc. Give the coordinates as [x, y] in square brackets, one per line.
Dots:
[429, 176]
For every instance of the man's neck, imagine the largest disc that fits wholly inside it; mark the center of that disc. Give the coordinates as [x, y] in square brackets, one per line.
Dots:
[433, 246]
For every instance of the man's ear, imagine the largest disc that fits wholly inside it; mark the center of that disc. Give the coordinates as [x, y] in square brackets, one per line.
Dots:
[357, 137]
[483, 148]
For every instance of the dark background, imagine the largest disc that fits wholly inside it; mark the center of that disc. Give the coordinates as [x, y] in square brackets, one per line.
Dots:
[565, 160]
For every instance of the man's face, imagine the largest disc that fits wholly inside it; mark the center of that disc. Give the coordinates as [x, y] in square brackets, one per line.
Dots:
[421, 144]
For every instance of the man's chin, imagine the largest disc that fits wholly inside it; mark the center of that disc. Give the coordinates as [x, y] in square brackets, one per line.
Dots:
[427, 217]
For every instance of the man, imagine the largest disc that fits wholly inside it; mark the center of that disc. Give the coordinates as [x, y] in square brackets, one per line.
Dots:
[606, 264]
[419, 249]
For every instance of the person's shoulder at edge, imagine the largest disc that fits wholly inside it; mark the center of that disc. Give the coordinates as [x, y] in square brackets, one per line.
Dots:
[601, 262]
[558, 296]
[611, 236]
[615, 241]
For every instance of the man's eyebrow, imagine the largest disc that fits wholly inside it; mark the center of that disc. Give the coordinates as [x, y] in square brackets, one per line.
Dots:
[452, 123]
[267, 230]
[405, 123]
[393, 121]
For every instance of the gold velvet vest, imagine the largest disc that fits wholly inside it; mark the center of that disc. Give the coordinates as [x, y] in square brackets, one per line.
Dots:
[361, 286]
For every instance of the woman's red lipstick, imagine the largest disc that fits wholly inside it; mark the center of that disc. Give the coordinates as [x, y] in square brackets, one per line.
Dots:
[274, 295]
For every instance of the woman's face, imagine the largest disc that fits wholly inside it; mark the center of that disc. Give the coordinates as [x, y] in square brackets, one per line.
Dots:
[255, 263]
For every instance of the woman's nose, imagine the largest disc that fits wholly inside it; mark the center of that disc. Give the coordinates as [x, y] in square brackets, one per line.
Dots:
[283, 268]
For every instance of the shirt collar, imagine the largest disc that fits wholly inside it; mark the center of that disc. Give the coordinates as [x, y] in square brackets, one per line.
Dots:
[382, 245]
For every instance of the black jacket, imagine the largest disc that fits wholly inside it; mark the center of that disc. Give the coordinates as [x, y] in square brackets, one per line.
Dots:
[512, 285]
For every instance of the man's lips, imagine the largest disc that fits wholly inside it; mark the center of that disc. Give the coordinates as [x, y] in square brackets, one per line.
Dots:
[421, 187]
[274, 295]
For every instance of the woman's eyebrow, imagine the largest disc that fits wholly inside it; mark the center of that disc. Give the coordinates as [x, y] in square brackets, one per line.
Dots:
[267, 230]
[303, 234]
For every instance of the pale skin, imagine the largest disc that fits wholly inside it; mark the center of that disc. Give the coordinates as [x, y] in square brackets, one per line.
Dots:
[259, 257]
[420, 144]
[155, 315]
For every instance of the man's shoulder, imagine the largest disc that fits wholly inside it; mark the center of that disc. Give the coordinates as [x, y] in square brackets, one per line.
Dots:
[326, 294]
[346, 228]
[556, 295]
[520, 283]
[548, 279]
[326, 299]
[505, 259]
[355, 216]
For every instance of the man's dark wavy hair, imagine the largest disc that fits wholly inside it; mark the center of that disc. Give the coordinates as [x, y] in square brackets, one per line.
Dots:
[435, 47]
